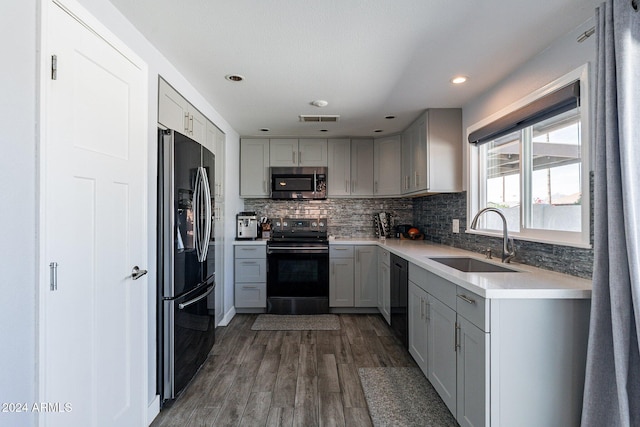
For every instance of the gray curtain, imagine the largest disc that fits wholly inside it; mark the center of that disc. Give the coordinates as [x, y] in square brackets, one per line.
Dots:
[612, 383]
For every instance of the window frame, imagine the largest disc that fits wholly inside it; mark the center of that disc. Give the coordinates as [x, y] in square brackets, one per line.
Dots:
[475, 187]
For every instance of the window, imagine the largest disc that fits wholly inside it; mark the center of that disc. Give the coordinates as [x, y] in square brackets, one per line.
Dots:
[535, 169]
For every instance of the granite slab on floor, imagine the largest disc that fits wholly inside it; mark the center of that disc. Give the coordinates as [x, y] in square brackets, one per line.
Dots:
[403, 397]
[280, 322]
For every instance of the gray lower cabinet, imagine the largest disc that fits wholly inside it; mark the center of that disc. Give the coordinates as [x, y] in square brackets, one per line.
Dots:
[471, 361]
[366, 276]
[353, 280]
[384, 284]
[418, 332]
[341, 282]
[499, 362]
[441, 350]
[250, 276]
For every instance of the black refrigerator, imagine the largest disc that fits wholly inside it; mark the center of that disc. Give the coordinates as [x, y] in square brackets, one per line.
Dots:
[186, 267]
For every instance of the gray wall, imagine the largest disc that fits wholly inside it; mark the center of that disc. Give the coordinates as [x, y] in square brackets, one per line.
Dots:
[19, 190]
[434, 214]
[18, 251]
[563, 56]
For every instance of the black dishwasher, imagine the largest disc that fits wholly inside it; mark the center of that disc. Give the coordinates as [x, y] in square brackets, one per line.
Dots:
[399, 298]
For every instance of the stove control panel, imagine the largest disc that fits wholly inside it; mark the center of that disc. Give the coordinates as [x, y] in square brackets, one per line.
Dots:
[300, 225]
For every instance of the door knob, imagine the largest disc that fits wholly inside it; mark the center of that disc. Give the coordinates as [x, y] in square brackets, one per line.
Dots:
[136, 273]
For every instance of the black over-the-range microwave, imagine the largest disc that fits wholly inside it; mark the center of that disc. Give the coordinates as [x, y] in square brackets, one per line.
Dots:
[298, 182]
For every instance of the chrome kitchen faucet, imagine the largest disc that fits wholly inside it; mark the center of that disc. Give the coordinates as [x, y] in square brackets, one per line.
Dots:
[507, 254]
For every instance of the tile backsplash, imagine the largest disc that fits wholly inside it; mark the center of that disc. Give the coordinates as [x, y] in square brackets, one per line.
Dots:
[346, 217]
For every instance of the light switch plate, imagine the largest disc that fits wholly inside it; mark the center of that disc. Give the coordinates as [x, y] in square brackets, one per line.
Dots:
[456, 225]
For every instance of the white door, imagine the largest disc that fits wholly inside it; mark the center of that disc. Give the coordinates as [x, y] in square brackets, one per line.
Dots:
[94, 191]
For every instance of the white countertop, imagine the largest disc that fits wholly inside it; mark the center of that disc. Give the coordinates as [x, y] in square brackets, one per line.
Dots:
[529, 282]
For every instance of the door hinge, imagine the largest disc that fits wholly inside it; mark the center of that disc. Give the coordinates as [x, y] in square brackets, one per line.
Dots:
[54, 67]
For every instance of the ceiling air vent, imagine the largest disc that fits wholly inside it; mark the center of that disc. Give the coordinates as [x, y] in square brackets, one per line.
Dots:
[319, 118]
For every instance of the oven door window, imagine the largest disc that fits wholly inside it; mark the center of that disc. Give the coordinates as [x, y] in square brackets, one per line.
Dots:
[298, 275]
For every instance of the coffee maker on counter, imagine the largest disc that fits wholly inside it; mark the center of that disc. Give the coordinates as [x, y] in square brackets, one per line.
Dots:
[247, 226]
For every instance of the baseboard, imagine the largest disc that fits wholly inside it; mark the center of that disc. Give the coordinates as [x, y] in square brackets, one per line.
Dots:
[153, 409]
[228, 316]
[354, 310]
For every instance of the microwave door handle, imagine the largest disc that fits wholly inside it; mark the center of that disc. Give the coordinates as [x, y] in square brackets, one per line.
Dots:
[207, 209]
[315, 182]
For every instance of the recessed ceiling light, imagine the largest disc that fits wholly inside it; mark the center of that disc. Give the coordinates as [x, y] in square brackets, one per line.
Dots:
[459, 80]
[389, 117]
[319, 103]
[378, 130]
[265, 130]
[324, 130]
[234, 77]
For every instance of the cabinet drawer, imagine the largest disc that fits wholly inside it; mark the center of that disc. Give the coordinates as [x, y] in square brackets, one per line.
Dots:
[251, 270]
[384, 257]
[251, 251]
[473, 307]
[440, 288]
[251, 295]
[340, 251]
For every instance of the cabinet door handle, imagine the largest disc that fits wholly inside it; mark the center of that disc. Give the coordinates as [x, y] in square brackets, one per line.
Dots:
[421, 308]
[300, 157]
[467, 299]
[375, 187]
[293, 157]
[186, 122]
[427, 308]
[456, 338]
[191, 125]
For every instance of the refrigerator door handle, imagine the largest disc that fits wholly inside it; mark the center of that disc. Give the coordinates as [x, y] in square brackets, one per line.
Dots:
[207, 214]
[196, 299]
[196, 215]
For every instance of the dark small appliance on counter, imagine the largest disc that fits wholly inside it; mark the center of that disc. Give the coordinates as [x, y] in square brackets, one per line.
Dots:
[403, 229]
[247, 226]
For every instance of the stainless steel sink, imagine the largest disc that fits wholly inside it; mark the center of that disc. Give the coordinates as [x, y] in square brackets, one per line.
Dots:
[472, 265]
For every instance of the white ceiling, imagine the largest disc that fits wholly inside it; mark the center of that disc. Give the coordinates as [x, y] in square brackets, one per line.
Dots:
[367, 58]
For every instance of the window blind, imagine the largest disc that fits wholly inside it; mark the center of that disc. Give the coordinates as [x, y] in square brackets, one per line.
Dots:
[552, 104]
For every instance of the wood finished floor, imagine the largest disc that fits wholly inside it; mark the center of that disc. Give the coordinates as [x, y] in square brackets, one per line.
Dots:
[286, 378]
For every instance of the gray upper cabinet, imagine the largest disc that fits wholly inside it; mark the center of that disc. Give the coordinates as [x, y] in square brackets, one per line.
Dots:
[294, 152]
[362, 167]
[339, 169]
[350, 168]
[312, 152]
[425, 158]
[254, 168]
[386, 166]
[432, 153]
[175, 112]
